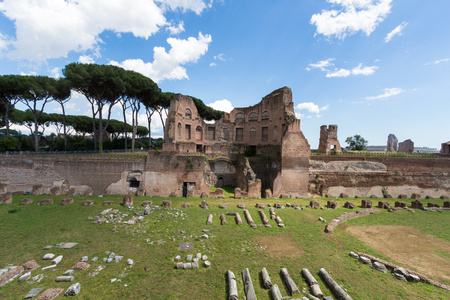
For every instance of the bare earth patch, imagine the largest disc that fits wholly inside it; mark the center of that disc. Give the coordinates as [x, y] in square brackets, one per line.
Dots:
[283, 245]
[408, 247]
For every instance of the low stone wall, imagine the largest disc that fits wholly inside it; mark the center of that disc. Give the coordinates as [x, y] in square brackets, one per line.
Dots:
[345, 217]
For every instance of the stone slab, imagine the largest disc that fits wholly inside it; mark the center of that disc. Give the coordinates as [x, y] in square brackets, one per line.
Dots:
[186, 246]
[33, 293]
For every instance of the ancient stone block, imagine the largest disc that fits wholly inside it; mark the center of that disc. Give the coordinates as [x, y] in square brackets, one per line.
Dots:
[447, 204]
[26, 201]
[278, 205]
[50, 294]
[37, 189]
[147, 203]
[87, 202]
[331, 204]
[81, 266]
[268, 194]
[416, 204]
[431, 204]
[55, 191]
[66, 201]
[128, 200]
[366, 203]
[241, 205]
[400, 204]
[166, 203]
[373, 196]
[46, 201]
[204, 195]
[427, 197]
[260, 205]
[30, 265]
[402, 196]
[349, 205]
[237, 193]
[314, 204]
[444, 197]
[223, 206]
[204, 204]
[6, 198]
[343, 195]
[383, 204]
[416, 196]
[185, 205]
[106, 203]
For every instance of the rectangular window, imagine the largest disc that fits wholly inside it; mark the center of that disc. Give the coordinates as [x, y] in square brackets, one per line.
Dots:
[239, 134]
[265, 133]
[188, 132]
[211, 133]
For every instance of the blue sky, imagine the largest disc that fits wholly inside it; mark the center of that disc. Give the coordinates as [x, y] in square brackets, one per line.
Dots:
[373, 67]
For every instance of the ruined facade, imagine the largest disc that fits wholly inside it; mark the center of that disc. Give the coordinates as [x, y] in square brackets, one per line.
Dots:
[392, 143]
[406, 146]
[328, 141]
[445, 148]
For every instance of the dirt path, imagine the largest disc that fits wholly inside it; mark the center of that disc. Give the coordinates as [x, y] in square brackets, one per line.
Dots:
[408, 247]
[280, 245]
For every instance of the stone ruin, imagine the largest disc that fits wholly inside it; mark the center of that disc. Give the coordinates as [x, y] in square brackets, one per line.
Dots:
[406, 146]
[392, 143]
[328, 142]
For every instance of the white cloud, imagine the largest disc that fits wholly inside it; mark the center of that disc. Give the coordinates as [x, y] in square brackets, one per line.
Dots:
[223, 105]
[311, 107]
[174, 30]
[52, 28]
[388, 92]
[397, 31]
[86, 59]
[56, 72]
[169, 65]
[359, 70]
[213, 64]
[4, 42]
[438, 61]
[339, 73]
[354, 16]
[219, 57]
[196, 6]
[322, 65]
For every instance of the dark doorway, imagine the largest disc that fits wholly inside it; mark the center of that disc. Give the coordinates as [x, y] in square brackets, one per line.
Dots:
[134, 183]
[185, 187]
[199, 148]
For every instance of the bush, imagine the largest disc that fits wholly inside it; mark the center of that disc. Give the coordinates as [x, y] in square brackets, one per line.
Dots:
[9, 143]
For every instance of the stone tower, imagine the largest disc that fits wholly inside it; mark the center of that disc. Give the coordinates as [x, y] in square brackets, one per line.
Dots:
[328, 139]
[392, 143]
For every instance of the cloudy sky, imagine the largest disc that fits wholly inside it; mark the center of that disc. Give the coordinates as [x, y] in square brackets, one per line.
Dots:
[373, 67]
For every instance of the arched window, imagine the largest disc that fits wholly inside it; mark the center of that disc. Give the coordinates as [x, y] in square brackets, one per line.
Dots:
[253, 117]
[252, 133]
[179, 130]
[275, 133]
[188, 113]
[220, 182]
[239, 118]
[265, 115]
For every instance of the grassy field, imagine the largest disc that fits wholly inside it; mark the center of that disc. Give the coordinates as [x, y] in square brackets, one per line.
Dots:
[26, 229]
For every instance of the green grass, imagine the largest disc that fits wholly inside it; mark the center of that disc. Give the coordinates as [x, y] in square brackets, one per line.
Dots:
[25, 230]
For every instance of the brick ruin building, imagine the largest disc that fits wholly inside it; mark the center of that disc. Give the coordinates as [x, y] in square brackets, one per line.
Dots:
[328, 141]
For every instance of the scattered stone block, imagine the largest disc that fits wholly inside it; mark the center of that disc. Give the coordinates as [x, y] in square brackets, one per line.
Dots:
[207, 264]
[222, 206]
[180, 266]
[402, 196]
[189, 257]
[68, 272]
[65, 278]
[185, 205]
[237, 193]
[429, 197]
[26, 201]
[354, 255]
[57, 260]
[394, 209]
[343, 195]
[204, 204]
[373, 196]
[106, 203]
[25, 277]
[73, 290]
[331, 204]
[147, 203]
[48, 256]
[400, 204]
[128, 200]
[413, 278]
[278, 205]
[66, 201]
[30, 265]
[81, 266]
[447, 204]
[365, 260]
[33, 293]
[268, 194]
[209, 220]
[399, 276]
[416, 196]
[204, 195]
[87, 202]
[46, 202]
[416, 204]
[444, 197]
[49, 267]
[431, 204]
[379, 267]
[241, 205]
[383, 204]
[401, 271]
[366, 203]
[187, 266]
[388, 196]
[50, 294]
[349, 205]
[314, 204]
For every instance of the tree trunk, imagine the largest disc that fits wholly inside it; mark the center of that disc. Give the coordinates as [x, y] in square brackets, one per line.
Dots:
[94, 131]
[125, 128]
[290, 284]
[314, 285]
[100, 128]
[267, 283]
[149, 118]
[64, 124]
[232, 286]
[248, 285]
[334, 287]
[36, 129]
[7, 118]
[133, 136]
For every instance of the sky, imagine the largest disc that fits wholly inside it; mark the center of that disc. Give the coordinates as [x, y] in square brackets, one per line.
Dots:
[373, 67]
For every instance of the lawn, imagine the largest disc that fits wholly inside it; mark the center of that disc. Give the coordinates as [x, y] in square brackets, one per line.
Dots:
[153, 244]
